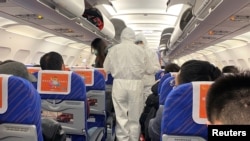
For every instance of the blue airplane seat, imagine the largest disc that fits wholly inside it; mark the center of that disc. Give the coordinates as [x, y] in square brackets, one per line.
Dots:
[163, 78]
[69, 102]
[159, 74]
[109, 80]
[166, 88]
[96, 93]
[99, 82]
[110, 109]
[23, 111]
[177, 121]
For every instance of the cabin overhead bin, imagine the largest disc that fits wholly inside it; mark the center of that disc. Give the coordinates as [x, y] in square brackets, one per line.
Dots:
[165, 36]
[91, 18]
[183, 20]
[119, 26]
[70, 9]
[97, 18]
[193, 13]
[92, 14]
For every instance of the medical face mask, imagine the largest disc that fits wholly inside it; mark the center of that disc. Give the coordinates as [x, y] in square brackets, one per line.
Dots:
[95, 52]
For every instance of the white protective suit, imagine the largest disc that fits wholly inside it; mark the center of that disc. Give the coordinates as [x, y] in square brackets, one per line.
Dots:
[149, 79]
[127, 64]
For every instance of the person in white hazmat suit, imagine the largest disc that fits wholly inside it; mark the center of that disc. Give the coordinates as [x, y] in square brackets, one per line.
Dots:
[148, 79]
[127, 64]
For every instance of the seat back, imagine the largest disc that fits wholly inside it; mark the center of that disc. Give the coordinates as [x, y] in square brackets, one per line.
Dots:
[33, 69]
[95, 88]
[184, 113]
[20, 110]
[159, 74]
[166, 88]
[109, 85]
[63, 95]
[110, 109]
[163, 78]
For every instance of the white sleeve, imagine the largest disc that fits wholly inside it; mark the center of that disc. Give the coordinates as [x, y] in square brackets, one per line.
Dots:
[107, 64]
[152, 62]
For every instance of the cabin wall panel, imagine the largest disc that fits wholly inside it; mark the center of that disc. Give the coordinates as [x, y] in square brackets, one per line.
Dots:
[231, 56]
[69, 51]
[17, 42]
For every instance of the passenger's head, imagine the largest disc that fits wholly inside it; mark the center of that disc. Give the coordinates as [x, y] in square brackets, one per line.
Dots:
[128, 35]
[228, 100]
[140, 40]
[230, 69]
[52, 61]
[17, 69]
[171, 67]
[196, 70]
[98, 46]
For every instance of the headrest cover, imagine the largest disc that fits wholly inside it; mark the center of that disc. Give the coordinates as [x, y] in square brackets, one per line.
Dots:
[33, 69]
[17, 69]
[3, 93]
[200, 89]
[102, 71]
[87, 74]
[54, 82]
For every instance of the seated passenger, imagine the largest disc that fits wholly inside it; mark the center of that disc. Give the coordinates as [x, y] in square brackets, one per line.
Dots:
[171, 67]
[17, 69]
[52, 61]
[230, 69]
[193, 70]
[228, 100]
[152, 102]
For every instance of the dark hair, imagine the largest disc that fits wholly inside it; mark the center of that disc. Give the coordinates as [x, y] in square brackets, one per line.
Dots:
[228, 99]
[230, 69]
[99, 45]
[196, 70]
[6, 61]
[51, 61]
[172, 67]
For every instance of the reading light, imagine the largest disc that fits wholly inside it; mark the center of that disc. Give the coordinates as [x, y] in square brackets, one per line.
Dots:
[39, 17]
[211, 32]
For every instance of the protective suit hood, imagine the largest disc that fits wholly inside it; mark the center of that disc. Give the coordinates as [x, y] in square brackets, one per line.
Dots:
[128, 35]
[141, 37]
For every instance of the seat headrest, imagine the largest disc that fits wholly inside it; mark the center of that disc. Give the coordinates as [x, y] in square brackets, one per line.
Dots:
[102, 71]
[177, 114]
[56, 82]
[63, 85]
[200, 89]
[94, 79]
[166, 88]
[3, 93]
[87, 75]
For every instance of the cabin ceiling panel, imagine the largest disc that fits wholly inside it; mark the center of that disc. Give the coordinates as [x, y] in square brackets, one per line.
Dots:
[14, 10]
[7, 3]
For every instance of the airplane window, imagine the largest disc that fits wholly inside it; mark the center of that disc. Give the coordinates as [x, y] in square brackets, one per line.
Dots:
[4, 52]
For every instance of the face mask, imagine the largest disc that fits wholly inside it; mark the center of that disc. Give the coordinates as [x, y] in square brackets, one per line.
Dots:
[95, 52]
